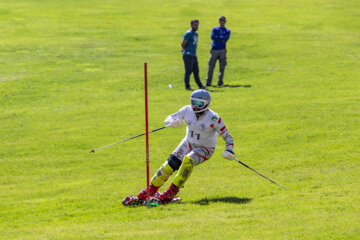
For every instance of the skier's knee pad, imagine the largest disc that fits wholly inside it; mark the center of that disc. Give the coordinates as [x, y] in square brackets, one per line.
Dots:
[184, 171]
[174, 162]
[167, 170]
[162, 175]
[188, 161]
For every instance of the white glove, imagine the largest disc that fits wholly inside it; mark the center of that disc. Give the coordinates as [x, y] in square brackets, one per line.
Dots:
[229, 155]
[170, 122]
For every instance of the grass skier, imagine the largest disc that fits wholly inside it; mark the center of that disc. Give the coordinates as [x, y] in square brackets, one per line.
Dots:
[198, 146]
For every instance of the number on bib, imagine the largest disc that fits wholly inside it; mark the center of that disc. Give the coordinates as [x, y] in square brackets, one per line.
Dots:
[198, 135]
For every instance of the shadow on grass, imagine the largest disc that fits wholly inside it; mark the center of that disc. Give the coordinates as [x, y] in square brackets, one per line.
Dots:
[214, 90]
[218, 89]
[236, 86]
[235, 200]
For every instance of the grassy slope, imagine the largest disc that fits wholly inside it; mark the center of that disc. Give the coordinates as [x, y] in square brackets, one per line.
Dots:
[71, 79]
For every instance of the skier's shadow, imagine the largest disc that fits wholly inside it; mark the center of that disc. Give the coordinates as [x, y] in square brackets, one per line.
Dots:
[234, 200]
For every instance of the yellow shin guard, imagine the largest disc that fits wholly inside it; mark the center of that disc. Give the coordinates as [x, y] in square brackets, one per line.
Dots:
[184, 171]
[162, 175]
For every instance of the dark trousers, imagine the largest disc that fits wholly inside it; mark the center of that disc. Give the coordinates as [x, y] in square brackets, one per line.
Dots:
[214, 56]
[191, 66]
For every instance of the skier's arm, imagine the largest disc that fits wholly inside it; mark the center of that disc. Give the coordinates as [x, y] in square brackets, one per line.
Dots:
[175, 119]
[224, 133]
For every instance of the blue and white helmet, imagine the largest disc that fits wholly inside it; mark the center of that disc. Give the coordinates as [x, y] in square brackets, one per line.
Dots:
[200, 100]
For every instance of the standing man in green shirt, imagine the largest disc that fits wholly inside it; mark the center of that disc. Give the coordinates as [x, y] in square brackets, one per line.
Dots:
[188, 48]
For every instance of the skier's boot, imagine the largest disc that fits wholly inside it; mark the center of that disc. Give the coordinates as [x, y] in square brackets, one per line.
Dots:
[141, 197]
[131, 201]
[143, 193]
[169, 194]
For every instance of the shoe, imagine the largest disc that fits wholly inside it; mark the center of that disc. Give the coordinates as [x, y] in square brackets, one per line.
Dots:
[188, 89]
[132, 201]
[208, 84]
[169, 194]
[143, 193]
[202, 87]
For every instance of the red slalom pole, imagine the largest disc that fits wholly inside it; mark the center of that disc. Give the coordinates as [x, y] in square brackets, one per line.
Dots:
[147, 139]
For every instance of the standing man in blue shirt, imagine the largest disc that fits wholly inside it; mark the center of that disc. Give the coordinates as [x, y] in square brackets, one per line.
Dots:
[220, 35]
[188, 48]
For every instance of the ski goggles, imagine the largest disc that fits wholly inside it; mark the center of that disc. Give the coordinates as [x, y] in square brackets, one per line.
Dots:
[198, 103]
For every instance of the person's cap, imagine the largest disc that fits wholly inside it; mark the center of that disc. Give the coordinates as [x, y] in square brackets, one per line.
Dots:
[222, 18]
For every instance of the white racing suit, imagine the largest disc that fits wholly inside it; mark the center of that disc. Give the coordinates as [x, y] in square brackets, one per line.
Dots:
[197, 147]
[201, 134]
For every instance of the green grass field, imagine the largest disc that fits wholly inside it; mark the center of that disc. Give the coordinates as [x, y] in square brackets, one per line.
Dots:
[71, 79]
